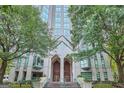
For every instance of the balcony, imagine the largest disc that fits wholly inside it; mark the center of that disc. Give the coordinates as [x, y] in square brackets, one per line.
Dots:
[85, 64]
[38, 63]
[37, 66]
[86, 67]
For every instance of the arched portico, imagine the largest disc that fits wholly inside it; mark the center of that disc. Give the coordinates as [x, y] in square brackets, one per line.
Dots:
[67, 70]
[55, 69]
[61, 69]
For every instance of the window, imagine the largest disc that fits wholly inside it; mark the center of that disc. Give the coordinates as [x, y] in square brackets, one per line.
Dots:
[105, 76]
[87, 75]
[66, 20]
[84, 63]
[57, 32]
[83, 46]
[38, 61]
[34, 60]
[58, 14]
[58, 9]
[58, 20]
[65, 15]
[44, 14]
[58, 6]
[16, 75]
[24, 75]
[18, 65]
[26, 60]
[65, 9]
[66, 33]
[42, 62]
[102, 60]
[96, 62]
[66, 25]
[57, 25]
[98, 76]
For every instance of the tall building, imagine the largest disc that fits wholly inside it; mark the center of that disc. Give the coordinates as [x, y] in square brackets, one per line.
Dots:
[58, 67]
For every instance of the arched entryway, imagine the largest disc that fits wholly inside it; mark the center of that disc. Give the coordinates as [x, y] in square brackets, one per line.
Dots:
[55, 69]
[67, 71]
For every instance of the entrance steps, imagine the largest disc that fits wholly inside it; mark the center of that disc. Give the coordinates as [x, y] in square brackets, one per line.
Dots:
[62, 85]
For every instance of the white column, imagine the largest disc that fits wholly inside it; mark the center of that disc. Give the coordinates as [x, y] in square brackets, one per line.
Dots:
[73, 71]
[62, 70]
[49, 67]
[20, 76]
[110, 76]
[29, 68]
[12, 72]
[100, 67]
[108, 68]
[94, 77]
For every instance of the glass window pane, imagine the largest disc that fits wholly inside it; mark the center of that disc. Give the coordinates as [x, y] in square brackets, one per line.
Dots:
[58, 20]
[58, 9]
[66, 20]
[87, 75]
[67, 33]
[58, 15]
[57, 25]
[66, 25]
[105, 76]
[65, 15]
[98, 76]
[57, 32]
[65, 9]
[84, 63]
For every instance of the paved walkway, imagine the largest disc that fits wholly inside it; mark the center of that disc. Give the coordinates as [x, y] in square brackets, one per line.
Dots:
[60, 85]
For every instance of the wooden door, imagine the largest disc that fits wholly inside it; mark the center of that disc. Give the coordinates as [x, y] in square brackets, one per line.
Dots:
[67, 75]
[56, 71]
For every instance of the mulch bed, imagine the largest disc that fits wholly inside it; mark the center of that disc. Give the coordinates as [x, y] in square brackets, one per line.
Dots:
[119, 85]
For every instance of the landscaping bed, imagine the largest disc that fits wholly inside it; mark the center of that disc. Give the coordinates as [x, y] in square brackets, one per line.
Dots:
[118, 85]
[34, 83]
[84, 83]
[107, 84]
[16, 85]
[103, 86]
[21, 84]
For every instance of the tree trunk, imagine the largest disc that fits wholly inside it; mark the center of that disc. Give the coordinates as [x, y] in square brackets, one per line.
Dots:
[2, 70]
[120, 72]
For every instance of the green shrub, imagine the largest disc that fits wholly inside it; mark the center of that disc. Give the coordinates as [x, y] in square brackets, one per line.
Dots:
[79, 76]
[14, 85]
[19, 85]
[26, 86]
[102, 86]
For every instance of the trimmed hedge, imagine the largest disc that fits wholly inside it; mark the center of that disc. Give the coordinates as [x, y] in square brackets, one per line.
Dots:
[16, 85]
[103, 86]
[21, 84]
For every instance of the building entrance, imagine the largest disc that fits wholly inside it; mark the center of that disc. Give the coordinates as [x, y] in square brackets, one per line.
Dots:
[67, 73]
[56, 71]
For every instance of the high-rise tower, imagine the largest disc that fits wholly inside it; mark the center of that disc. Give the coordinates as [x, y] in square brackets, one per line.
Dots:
[57, 67]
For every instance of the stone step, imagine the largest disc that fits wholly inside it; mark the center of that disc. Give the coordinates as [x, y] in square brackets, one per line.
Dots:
[36, 84]
[62, 85]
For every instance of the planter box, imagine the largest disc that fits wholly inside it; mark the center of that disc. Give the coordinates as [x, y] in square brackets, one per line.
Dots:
[84, 84]
[40, 84]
